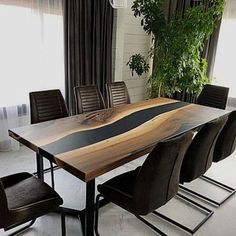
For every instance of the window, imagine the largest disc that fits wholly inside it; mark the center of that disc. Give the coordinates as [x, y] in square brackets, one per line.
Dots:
[225, 67]
[31, 51]
[31, 57]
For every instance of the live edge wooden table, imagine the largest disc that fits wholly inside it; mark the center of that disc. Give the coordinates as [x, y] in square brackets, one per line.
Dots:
[92, 144]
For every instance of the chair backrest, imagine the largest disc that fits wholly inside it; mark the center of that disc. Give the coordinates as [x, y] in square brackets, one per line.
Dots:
[158, 178]
[117, 94]
[88, 98]
[47, 105]
[213, 96]
[199, 155]
[226, 142]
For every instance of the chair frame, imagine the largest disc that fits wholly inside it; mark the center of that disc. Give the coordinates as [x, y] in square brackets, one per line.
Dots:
[207, 199]
[187, 200]
[196, 205]
[97, 207]
[21, 229]
[63, 226]
[39, 159]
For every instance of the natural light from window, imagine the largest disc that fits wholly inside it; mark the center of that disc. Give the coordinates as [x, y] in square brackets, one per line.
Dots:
[225, 66]
[31, 53]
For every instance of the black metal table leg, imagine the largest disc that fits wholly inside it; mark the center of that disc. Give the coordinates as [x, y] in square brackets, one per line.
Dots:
[90, 207]
[39, 160]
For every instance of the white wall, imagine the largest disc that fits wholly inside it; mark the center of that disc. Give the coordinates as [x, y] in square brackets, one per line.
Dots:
[129, 38]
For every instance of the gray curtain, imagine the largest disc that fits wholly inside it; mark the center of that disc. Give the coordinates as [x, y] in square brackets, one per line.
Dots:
[170, 7]
[88, 28]
[210, 50]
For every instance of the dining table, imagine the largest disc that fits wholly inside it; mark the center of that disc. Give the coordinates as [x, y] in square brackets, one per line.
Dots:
[91, 144]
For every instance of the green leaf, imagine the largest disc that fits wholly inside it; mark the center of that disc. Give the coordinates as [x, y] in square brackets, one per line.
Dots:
[178, 46]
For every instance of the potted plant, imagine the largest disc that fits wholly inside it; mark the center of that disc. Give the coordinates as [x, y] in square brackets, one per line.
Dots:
[179, 65]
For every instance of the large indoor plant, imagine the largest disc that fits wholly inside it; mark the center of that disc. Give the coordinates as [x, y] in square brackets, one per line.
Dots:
[179, 64]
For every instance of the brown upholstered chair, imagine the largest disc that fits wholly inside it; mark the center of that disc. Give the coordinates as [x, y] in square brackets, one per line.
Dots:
[117, 94]
[225, 146]
[150, 186]
[199, 156]
[213, 96]
[44, 106]
[24, 198]
[226, 142]
[197, 160]
[47, 105]
[88, 98]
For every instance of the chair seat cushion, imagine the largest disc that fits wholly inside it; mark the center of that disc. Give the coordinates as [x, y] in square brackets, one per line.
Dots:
[28, 197]
[119, 189]
[26, 190]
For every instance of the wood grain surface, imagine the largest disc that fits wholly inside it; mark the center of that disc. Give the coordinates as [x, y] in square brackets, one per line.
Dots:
[91, 144]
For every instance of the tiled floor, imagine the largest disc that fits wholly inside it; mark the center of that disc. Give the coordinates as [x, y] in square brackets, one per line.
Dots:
[114, 220]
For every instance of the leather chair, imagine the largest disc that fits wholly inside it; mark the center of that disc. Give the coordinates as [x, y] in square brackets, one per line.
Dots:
[225, 146]
[197, 160]
[150, 186]
[24, 198]
[88, 98]
[226, 142]
[44, 106]
[213, 96]
[47, 105]
[199, 156]
[117, 94]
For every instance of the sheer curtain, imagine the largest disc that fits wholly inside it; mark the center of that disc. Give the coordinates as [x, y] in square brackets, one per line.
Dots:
[31, 58]
[225, 66]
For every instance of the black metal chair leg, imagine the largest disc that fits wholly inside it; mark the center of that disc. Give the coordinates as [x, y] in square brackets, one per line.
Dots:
[97, 213]
[210, 200]
[52, 175]
[221, 185]
[151, 226]
[198, 195]
[21, 229]
[139, 217]
[196, 205]
[63, 223]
